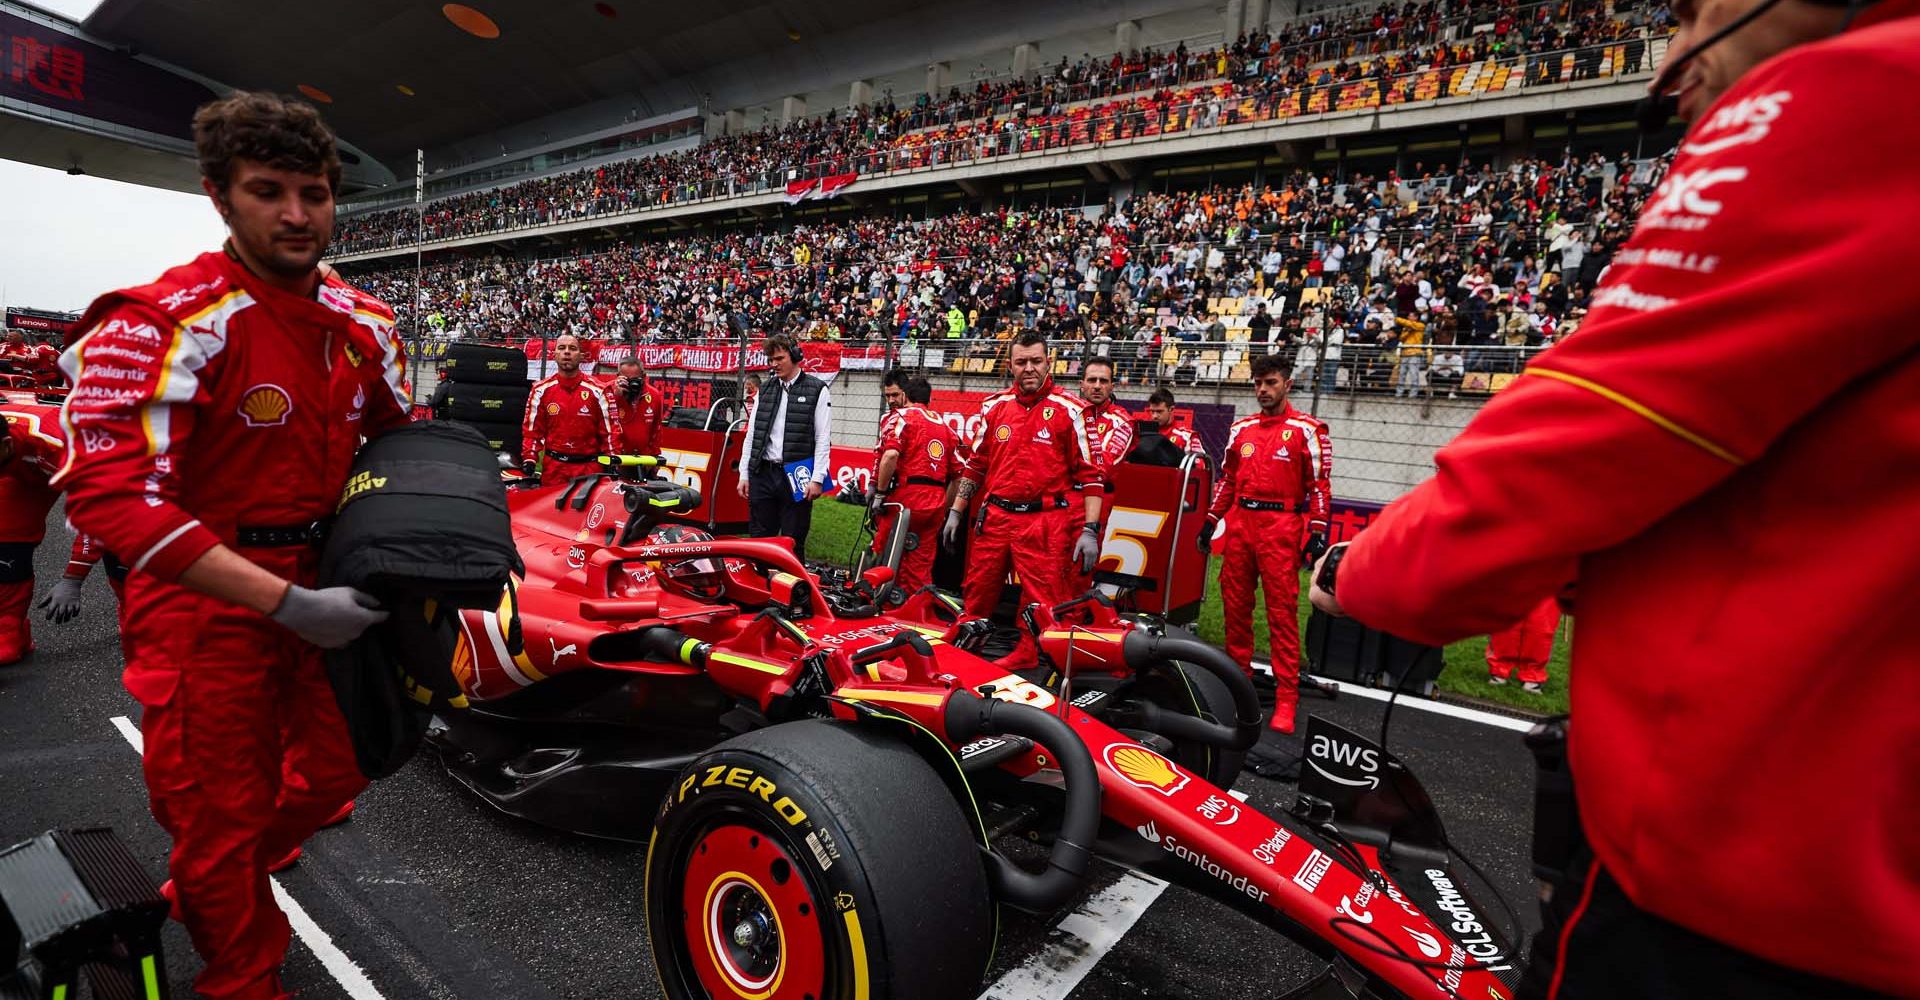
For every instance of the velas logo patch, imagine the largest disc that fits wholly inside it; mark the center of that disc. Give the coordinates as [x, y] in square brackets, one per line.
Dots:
[265, 405]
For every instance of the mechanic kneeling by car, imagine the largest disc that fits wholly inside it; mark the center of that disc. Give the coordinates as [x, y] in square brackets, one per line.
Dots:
[222, 407]
[1744, 746]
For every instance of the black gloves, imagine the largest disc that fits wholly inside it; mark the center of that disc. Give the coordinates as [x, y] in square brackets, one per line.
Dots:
[1205, 542]
[1316, 547]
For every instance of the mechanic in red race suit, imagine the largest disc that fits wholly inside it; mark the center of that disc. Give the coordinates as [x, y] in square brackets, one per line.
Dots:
[31, 452]
[37, 363]
[1109, 435]
[1729, 490]
[1274, 495]
[1524, 647]
[570, 422]
[1160, 408]
[214, 419]
[893, 398]
[1031, 457]
[639, 408]
[917, 461]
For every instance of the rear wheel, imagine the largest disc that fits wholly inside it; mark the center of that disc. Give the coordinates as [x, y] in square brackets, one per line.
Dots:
[816, 861]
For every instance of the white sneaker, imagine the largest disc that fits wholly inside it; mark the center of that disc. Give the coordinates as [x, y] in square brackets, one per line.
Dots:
[1496, 681]
[1533, 687]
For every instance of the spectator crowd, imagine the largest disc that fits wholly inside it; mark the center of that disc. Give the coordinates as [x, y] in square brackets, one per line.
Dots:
[1387, 278]
[1392, 54]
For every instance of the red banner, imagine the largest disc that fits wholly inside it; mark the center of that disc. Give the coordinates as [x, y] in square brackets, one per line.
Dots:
[816, 188]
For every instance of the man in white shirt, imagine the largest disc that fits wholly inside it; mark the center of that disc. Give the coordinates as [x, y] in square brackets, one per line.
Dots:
[790, 427]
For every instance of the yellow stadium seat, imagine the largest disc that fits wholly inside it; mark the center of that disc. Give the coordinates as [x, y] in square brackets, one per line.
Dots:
[1502, 380]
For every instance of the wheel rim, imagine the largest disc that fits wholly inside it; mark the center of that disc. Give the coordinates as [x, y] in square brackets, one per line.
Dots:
[751, 924]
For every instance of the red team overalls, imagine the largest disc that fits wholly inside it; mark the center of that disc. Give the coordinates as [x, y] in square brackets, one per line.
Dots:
[25, 499]
[639, 418]
[1525, 646]
[210, 408]
[1033, 462]
[927, 461]
[570, 423]
[1273, 489]
[1110, 438]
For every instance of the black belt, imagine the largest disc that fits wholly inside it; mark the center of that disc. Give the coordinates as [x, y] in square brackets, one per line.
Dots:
[561, 456]
[1284, 506]
[926, 481]
[281, 536]
[1033, 506]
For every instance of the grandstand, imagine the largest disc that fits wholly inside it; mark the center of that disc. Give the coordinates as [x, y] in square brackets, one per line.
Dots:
[1263, 87]
[1408, 199]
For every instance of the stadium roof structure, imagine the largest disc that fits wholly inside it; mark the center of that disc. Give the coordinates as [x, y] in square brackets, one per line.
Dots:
[393, 76]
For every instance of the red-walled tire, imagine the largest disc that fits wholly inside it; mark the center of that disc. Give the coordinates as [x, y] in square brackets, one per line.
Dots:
[816, 861]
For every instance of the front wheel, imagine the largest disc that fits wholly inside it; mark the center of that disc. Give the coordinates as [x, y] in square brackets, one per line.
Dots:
[815, 861]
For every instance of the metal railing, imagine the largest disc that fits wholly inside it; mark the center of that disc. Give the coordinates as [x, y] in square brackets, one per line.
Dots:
[1218, 109]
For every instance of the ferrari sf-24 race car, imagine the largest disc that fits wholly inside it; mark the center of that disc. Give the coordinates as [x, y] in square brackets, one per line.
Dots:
[822, 768]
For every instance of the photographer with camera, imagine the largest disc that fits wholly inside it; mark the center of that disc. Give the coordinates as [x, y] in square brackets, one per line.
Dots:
[640, 408]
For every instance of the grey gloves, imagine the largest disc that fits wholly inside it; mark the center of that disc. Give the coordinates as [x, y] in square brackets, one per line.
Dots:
[329, 618]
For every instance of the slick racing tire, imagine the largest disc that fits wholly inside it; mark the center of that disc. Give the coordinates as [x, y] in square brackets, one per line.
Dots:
[1192, 691]
[483, 364]
[500, 436]
[487, 404]
[816, 861]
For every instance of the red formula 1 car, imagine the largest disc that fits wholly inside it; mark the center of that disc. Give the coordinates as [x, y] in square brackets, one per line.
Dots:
[821, 784]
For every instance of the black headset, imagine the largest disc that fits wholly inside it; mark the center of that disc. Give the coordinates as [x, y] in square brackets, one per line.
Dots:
[1655, 109]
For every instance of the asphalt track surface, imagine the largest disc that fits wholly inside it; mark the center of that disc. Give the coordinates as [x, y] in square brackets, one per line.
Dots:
[432, 894]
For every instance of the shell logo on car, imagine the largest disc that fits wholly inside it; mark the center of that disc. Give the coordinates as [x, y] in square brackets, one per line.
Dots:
[1143, 767]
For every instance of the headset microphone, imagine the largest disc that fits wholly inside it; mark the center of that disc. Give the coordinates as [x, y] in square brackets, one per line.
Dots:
[1655, 109]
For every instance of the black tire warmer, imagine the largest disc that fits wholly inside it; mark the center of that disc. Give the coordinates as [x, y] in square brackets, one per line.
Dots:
[423, 526]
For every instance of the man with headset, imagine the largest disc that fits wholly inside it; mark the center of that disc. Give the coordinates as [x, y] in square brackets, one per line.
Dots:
[789, 434]
[1744, 742]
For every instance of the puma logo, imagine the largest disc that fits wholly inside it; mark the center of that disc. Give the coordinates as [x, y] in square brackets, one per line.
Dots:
[570, 649]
